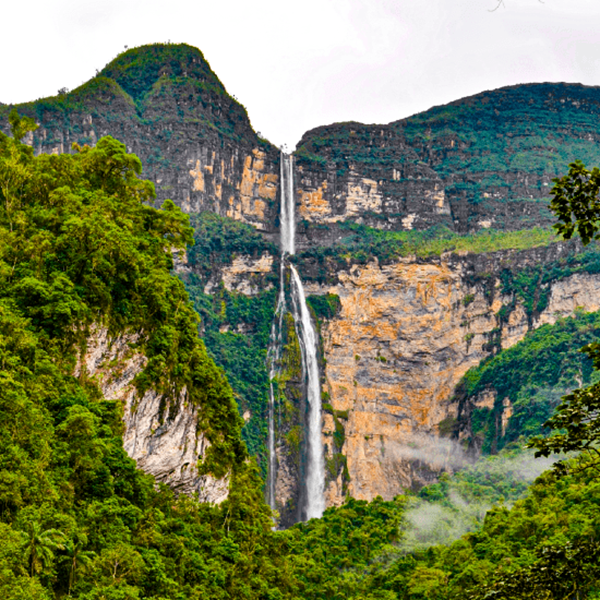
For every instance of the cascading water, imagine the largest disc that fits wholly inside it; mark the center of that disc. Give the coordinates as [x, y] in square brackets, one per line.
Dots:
[315, 463]
[273, 357]
[287, 223]
[287, 234]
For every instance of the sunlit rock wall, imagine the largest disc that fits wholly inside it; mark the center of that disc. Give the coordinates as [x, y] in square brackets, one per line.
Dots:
[404, 336]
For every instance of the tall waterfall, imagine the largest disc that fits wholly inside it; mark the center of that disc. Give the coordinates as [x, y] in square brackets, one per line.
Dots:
[315, 462]
[273, 357]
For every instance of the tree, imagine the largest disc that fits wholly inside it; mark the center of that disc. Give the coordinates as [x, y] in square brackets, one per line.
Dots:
[40, 546]
[80, 558]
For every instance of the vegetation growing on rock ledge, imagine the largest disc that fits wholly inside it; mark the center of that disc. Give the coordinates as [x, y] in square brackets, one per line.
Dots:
[533, 375]
[363, 244]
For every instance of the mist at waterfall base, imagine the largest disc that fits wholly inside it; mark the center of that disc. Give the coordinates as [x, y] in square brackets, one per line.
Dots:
[462, 508]
[312, 498]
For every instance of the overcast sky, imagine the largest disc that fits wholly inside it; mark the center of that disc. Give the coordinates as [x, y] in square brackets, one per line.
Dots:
[298, 65]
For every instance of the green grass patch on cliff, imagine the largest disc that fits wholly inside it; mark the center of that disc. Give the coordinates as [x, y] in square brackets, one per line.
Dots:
[387, 245]
[363, 244]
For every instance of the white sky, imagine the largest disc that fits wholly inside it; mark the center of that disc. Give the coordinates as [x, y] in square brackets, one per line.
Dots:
[298, 65]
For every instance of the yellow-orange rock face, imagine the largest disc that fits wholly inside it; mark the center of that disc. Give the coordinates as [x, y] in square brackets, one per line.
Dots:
[404, 336]
[242, 187]
[256, 188]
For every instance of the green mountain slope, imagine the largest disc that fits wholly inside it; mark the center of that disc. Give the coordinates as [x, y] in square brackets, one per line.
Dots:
[80, 246]
[167, 106]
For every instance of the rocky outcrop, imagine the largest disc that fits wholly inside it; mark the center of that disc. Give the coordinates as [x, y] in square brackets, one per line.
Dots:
[404, 336]
[163, 440]
[245, 275]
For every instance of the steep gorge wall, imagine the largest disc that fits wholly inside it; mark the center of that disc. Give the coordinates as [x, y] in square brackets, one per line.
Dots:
[404, 336]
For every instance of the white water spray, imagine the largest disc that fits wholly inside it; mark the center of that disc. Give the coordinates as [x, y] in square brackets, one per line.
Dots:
[287, 224]
[315, 463]
[273, 358]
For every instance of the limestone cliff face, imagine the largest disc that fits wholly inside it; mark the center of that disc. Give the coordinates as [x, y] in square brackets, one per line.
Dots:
[397, 197]
[483, 161]
[240, 183]
[164, 441]
[404, 336]
[237, 180]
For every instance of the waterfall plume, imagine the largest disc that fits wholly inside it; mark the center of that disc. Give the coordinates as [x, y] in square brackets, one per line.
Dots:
[314, 483]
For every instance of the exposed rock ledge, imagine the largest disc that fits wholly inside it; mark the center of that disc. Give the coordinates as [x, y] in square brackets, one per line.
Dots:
[169, 448]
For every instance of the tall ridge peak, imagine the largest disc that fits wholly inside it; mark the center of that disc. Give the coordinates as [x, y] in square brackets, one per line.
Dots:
[137, 70]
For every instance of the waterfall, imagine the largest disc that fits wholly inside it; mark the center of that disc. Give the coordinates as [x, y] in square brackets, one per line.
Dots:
[315, 463]
[273, 358]
[287, 224]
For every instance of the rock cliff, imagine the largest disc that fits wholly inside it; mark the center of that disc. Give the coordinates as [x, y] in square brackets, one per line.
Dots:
[486, 161]
[403, 337]
[165, 441]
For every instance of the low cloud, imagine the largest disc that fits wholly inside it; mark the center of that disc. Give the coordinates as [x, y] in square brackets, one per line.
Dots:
[442, 521]
[439, 454]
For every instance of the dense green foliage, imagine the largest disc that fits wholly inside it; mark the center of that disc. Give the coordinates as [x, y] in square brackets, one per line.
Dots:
[331, 556]
[235, 327]
[138, 69]
[218, 240]
[80, 247]
[575, 202]
[383, 550]
[325, 306]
